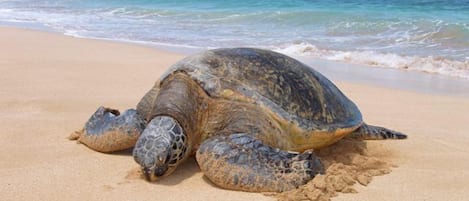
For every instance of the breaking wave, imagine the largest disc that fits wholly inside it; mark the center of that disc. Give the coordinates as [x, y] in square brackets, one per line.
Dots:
[427, 64]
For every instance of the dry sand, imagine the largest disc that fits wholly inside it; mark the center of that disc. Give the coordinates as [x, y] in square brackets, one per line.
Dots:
[50, 84]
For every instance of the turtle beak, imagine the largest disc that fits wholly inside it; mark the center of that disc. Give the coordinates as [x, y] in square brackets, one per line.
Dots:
[160, 169]
[147, 173]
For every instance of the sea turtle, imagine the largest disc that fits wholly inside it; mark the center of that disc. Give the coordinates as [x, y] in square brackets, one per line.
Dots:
[252, 117]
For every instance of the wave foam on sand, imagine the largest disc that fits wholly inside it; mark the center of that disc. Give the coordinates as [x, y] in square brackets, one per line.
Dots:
[428, 64]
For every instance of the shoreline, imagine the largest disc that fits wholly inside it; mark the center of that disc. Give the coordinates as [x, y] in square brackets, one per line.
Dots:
[52, 83]
[413, 81]
[337, 71]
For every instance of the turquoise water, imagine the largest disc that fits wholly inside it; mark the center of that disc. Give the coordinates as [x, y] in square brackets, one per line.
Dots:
[421, 35]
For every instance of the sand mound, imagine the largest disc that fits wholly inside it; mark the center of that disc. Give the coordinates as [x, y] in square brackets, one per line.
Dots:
[347, 163]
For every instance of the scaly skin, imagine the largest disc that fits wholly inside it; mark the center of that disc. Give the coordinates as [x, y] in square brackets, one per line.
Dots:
[161, 147]
[107, 130]
[369, 132]
[241, 162]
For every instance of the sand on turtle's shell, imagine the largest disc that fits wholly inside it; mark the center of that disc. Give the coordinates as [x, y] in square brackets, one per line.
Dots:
[347, 163]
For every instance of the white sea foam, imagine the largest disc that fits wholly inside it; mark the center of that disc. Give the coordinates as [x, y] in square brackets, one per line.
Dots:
[342, 36]
[428, 64]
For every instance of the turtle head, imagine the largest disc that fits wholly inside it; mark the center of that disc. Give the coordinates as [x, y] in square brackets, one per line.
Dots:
[161, 147]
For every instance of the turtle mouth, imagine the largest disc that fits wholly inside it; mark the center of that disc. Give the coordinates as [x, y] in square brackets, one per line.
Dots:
[147, 174]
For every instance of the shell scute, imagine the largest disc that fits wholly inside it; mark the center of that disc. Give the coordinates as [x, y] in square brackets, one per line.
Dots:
[283, 85]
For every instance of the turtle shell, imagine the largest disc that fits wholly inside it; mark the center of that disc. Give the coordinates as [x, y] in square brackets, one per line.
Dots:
[287, 87]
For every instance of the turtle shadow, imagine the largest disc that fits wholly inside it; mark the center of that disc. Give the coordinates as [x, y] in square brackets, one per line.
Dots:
[125, 152]
[184, 171]
[206, 180]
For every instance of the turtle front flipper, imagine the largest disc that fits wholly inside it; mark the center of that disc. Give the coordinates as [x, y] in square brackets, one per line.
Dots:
[242, 162]
[369, 132]
[107, 130]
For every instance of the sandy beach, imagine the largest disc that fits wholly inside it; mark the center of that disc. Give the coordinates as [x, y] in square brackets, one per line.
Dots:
[51, 84]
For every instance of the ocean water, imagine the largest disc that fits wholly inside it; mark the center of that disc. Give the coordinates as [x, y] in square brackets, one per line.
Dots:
[420, 35]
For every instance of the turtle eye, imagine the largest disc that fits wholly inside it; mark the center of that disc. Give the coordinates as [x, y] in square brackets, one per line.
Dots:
[160, 160]
[168, 158]
[163, 158]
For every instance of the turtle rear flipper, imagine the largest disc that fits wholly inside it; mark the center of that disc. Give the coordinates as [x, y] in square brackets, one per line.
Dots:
[241, 162]
[369, 132]
[107, 130]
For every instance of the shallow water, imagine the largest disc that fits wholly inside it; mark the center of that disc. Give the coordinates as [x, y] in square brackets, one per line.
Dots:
[391, 78]
[421, 35]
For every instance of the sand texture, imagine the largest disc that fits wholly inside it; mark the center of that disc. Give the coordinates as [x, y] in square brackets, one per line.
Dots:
[50, 85]
[347, 163]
